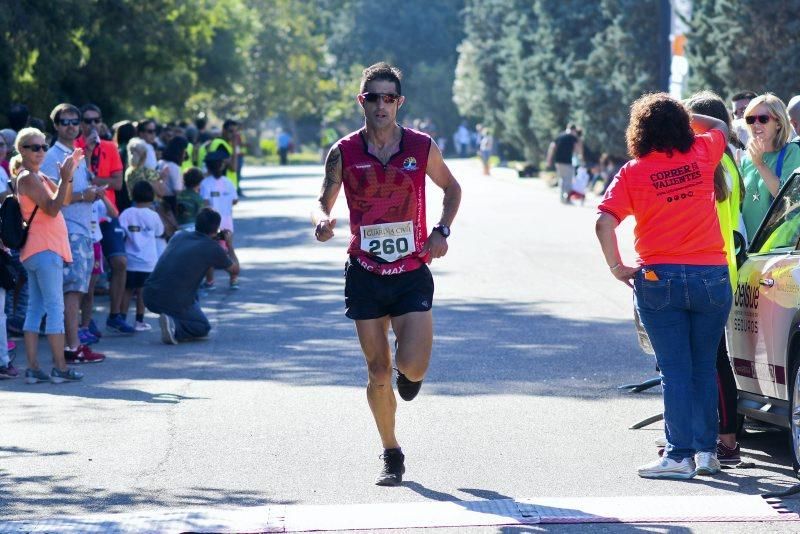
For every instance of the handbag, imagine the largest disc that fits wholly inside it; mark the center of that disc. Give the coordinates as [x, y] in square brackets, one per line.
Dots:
[8, 272]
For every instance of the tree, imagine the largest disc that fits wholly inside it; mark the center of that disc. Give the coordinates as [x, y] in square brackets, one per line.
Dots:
[743, 44]
[421, 40]
[623, 65]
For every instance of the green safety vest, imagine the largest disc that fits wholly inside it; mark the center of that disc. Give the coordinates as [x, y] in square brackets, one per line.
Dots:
[212, 147]
[729, 212]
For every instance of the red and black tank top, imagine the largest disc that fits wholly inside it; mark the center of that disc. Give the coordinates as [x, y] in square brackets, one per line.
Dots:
[386, 202]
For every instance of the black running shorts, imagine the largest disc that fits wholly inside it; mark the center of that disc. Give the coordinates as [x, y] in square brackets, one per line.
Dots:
[370, 296]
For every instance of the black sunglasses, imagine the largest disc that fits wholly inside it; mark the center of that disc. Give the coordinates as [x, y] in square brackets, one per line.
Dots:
[763, 119]
[149, 131]
[93, 120]
[69, 122]
[36, 148]
[388, 98]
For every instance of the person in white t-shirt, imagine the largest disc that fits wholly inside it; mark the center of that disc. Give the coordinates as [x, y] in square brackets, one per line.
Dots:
[102, 209]
[142, 226]
[220, 194]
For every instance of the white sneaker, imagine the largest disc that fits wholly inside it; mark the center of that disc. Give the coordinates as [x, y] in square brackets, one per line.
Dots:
[707, 463]
[668, 468]
[167, 329]
[141, 326]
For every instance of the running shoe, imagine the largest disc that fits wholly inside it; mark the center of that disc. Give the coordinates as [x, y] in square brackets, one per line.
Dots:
[393, 468]
[406, 388]
[234, 284]
[83, 354]
[95, 331]
[141, 326]
[117, 323]
[70, 375]
[33, 376]
[8, 371]
[728, 456]
[167, 329]
[707, 463]
[208, 286]
[668, 468]
[85, 337]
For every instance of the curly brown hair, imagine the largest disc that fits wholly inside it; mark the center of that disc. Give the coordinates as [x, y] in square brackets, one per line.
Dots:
[658, 123]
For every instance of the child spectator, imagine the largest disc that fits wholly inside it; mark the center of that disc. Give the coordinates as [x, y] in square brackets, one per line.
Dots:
[220, 194]
[190, 201]
[88, 332]
[142, 226]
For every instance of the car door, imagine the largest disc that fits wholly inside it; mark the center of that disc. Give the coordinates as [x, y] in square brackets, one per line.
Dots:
[767, 299]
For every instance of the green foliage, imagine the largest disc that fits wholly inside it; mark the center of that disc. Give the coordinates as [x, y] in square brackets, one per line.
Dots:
[742, 44]
[420, 39]
[527, 68]
[623, 65]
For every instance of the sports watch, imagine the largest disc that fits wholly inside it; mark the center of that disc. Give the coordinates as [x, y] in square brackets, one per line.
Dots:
[442, 229]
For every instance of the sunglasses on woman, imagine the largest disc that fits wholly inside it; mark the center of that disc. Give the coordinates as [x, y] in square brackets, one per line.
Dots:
[36, 148]
[388, 98]
[763, 119]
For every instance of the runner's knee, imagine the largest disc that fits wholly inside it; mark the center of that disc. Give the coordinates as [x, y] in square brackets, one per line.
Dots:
[380, 373]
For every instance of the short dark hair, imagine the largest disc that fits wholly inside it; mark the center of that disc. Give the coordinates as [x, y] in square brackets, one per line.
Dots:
[143, 192]
[55, 115]
[381, 71]
[214, 167]
[228, 123]
[207, 221]
[192, 177]
[18, 116]
[658, 123]
[142, 125]
[743, 95]
[201, 120]
[124, 131]
[175, 150]
[90, 107]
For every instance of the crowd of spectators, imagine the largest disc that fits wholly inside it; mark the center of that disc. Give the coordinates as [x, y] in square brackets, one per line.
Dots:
[108, 203]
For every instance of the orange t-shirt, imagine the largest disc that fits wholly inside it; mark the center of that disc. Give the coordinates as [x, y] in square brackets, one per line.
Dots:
[672, 199]
[45, 232]
[103, 162]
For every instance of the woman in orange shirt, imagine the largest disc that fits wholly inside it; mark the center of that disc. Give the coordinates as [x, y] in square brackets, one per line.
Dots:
[681, 283]
[44, 252]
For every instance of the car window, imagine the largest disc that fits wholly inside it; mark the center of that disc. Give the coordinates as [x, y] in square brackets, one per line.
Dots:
[780, 230]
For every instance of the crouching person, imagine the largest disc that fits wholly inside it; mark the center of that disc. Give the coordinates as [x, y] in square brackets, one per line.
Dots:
[171, 290]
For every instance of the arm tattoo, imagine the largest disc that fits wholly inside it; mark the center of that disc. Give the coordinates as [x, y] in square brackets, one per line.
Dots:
[330, 170]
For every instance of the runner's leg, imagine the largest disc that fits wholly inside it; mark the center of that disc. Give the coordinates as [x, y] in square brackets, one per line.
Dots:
[373, 336]
[414, 332]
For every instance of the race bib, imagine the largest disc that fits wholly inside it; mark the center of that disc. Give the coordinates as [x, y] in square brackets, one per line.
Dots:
[388, 241]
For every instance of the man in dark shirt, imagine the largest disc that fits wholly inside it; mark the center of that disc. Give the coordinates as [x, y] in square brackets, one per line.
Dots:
[560, 152]
[171, 290]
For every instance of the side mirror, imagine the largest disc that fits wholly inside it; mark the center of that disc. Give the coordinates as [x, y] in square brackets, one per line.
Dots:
[739, 248]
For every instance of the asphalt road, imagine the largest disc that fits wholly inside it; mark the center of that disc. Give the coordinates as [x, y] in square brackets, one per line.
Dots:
[532, 336]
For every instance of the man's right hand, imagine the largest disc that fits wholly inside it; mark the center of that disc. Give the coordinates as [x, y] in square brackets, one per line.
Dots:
[324, 229]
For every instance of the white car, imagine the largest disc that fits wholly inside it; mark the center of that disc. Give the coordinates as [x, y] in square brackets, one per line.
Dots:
[763, 330]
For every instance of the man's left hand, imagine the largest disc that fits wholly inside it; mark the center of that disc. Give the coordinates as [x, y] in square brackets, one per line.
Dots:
[436, 245]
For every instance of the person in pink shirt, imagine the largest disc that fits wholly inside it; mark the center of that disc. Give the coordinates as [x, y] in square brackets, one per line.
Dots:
[681, 282]
[45, 252]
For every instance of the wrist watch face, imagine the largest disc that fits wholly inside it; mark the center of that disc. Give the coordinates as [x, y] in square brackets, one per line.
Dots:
[442, 229]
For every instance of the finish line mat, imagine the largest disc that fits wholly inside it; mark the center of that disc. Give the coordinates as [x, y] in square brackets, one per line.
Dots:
[501, 512]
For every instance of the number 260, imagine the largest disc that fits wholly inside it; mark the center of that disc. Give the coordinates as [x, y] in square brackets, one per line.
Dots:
[388, 246]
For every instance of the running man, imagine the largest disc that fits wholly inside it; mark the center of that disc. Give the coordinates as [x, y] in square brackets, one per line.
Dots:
[387, 281]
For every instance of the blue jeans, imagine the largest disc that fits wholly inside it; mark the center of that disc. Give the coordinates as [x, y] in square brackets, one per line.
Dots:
[46, 295]
[684, 313]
